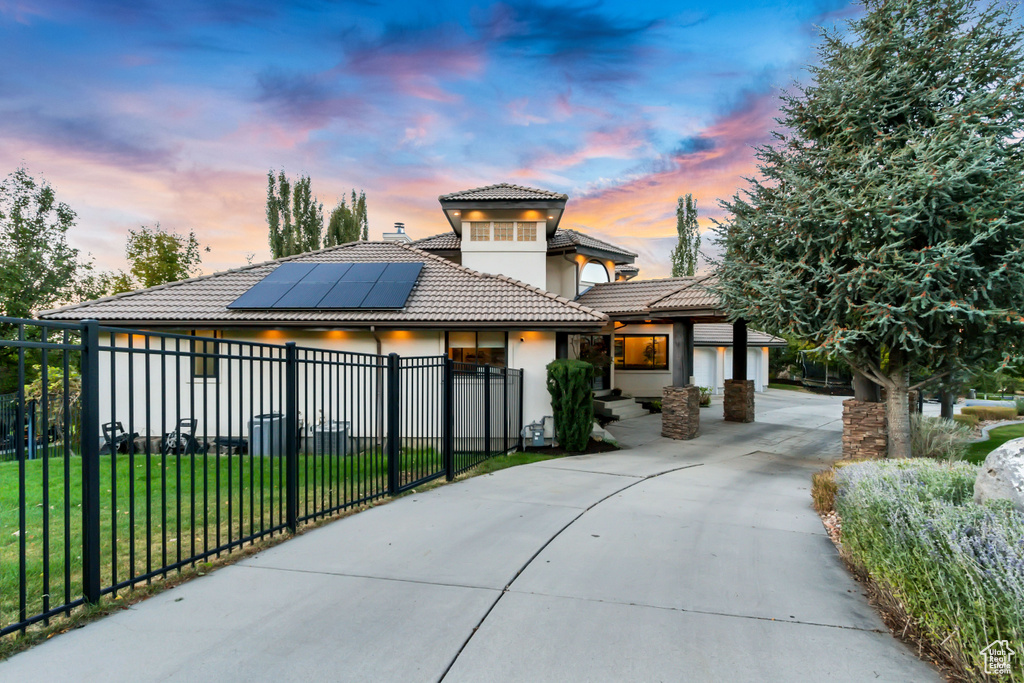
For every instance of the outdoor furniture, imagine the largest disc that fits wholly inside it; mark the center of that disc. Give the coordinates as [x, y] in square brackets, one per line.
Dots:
[116, 438]
[183, 438]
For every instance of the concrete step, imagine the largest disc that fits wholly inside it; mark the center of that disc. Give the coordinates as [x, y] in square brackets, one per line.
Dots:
[619, 408]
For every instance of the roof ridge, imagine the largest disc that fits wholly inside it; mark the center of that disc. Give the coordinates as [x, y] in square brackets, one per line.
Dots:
[693, 281]
[551, 194]
[207, 276]
[551, 295]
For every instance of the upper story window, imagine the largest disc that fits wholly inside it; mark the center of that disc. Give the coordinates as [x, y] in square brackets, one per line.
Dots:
[594, 272]
[480, 232]
[527, 232]
[503, 232]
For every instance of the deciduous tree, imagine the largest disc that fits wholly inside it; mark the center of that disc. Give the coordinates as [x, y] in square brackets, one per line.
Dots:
[684, 256]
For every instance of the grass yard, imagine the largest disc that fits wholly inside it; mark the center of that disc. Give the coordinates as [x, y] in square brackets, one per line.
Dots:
[159, 510]
[977, 452]
[788, 387]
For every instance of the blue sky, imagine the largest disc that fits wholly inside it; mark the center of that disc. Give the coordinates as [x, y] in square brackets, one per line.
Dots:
[145, 112]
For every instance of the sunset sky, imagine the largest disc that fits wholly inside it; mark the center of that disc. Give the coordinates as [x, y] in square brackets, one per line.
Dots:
[140, 112]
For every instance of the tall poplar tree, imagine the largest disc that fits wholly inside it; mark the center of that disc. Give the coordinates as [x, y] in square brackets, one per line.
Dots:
[348, 222]
[888, 220]
[684, 256]
[295, 219]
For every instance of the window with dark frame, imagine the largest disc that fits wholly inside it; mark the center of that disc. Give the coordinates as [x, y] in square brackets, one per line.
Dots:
[641, 352]
[485, 347]
[205, 367]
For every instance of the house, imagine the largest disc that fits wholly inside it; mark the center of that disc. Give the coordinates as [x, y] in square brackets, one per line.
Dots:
[506, 286]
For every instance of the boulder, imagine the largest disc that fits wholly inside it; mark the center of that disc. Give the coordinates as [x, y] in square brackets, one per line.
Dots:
[1002, 475]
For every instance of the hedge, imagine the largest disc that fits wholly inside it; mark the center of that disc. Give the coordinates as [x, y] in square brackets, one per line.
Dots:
[990, 412]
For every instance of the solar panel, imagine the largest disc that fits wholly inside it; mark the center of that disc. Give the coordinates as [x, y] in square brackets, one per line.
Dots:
[310, 286]
[346, 295]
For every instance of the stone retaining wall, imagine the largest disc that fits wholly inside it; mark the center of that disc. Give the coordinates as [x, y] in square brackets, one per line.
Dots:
[680, 412]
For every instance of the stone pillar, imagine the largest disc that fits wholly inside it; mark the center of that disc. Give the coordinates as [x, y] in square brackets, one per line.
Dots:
[680, 412]
[739, 399]
[865, 432]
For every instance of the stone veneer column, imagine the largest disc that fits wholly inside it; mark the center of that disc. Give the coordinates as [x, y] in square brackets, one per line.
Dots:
[739, 400]
[865, 430]
[680, 412]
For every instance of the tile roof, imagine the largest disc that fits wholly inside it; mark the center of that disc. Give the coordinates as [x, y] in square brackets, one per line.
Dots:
[649, 296]
[562, 239]
[445, 294]
[502, 191]
[627, 268]
[720, 334]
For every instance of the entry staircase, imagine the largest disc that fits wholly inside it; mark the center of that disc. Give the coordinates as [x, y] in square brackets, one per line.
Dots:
[617, 407]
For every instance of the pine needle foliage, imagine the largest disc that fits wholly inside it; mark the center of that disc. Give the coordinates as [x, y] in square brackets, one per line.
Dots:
[887, 221]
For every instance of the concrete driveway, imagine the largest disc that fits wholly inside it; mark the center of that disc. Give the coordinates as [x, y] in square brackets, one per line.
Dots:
[669, 561]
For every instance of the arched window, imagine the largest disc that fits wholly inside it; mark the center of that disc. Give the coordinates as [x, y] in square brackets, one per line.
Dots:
[594, 272]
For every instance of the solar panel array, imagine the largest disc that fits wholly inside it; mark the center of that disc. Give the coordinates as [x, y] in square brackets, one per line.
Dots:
[333, 286]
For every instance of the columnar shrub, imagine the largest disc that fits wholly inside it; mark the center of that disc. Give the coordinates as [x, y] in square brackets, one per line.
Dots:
[1020, 405]
[569, 383]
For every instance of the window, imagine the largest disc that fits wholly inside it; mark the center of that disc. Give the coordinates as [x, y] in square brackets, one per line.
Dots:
[503, 232]
[594, 272]
[641, 352]
[527, 232]
[478, 347]
[205, 367]
[480, 232]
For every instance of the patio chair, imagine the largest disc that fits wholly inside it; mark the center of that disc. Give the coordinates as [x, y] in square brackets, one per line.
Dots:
[183, 438]
[116, 438]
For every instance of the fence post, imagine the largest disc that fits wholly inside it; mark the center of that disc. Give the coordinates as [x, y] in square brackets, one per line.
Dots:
[448, 415]
[291, 434]
[487, 409]
[519, 422]
[394, 405]
[91, 461]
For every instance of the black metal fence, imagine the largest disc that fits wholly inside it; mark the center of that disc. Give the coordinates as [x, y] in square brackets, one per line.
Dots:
[132, 454]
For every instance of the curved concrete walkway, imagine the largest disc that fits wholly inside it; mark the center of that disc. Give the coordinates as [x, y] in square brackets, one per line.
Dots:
[669, 561]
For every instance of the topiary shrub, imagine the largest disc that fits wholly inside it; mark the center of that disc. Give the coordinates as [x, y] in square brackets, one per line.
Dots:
[569, 383]
[1020, 405]
[990, 412]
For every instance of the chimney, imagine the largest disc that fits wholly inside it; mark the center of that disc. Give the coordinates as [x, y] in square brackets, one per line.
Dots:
[398, 235]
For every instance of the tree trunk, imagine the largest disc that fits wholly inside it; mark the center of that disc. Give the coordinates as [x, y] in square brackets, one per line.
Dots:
[864, 389]
[897, 406]
[947, 397]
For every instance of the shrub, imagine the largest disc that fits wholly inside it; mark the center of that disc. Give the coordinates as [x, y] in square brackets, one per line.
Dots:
[990, 412]
[705, 396]
[1020, 405]
[569, 383]
[968, 419]
[938, 438]
[957, 568]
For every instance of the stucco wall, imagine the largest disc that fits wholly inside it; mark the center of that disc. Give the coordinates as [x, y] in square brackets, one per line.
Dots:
[350, 391]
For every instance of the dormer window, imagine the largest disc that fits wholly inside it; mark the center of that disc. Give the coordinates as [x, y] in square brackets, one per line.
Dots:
[503, 232]
[480, 232]
[526, 232]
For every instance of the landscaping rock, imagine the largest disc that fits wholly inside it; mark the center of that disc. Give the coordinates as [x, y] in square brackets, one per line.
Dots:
[1002, 475]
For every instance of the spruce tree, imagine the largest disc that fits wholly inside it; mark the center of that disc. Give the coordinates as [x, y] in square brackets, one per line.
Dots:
[887, 226]
[684, 256]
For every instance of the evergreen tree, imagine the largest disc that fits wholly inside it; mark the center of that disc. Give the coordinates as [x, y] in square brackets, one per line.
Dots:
[888, 223]
[684, 256]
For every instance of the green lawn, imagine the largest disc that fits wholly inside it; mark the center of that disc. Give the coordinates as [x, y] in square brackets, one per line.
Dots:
[145, 502]
[997, 437]
[787, 387]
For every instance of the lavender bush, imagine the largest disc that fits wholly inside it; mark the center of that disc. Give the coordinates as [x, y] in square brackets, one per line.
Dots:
[957, 567]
